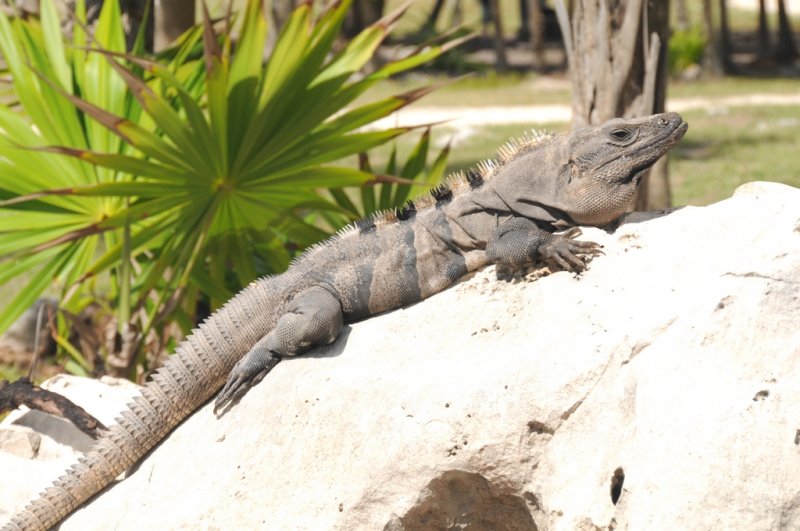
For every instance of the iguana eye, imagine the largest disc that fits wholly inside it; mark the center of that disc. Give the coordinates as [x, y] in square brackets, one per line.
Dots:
[621, 134]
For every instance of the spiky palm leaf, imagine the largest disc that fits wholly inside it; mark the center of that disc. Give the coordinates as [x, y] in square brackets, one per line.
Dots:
[195, 175]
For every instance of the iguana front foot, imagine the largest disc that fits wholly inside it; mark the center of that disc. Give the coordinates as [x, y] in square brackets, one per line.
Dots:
[520, 242]
[567, 252]
[245, 374]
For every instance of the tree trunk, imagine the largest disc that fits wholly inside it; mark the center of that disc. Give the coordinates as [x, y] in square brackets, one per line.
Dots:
[430, 25]
[172, 18]
[536, 28]
[281, 9]
[132, 19]
[713, 62]
[362, 14]
[616, 52]
[499, 41]
[785, 51]
[682, 15]
[724, 37]
[763, 31]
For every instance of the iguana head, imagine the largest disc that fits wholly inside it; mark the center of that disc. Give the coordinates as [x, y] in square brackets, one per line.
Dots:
[605, 164]
[588, 176]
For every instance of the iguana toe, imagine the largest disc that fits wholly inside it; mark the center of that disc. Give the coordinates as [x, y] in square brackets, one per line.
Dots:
[568, 253]
[247, 373]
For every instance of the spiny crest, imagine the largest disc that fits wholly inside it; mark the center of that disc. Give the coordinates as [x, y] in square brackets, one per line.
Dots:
[515, 146]
[455, 185]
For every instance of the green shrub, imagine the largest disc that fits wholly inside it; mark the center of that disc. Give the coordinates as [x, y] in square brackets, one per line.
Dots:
[686, 48]
[181, 178]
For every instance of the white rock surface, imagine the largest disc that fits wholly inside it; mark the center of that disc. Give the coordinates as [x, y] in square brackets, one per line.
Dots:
[666, 378]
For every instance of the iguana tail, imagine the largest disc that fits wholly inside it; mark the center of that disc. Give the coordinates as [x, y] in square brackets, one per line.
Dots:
[187, 380]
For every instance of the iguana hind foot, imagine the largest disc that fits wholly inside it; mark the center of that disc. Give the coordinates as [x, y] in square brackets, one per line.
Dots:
[248, 372]
[314, 317]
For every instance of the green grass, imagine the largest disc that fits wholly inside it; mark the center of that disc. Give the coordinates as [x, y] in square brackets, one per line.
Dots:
[9, 373]
[732, 86]
[722, 151]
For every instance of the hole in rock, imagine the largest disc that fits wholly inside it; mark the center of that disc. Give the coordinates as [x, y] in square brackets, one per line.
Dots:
[461, 500]
[616, 485]
[761, 395]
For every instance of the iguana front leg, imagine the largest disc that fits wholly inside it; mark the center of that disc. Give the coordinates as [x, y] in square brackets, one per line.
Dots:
[519, 241]
[314, 317]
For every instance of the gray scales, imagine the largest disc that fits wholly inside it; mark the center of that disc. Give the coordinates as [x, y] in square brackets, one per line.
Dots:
[507, 211]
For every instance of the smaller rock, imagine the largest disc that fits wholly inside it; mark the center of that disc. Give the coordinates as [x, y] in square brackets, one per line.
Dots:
[20, 441]
[693, 72]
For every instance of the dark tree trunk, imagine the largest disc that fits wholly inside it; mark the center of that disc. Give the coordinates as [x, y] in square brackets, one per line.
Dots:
[763, 31]
[536, 29]
[362, 14]
[172, 18]
[785, 50]
[724, 36]
[499, 41]
[132, 19]
[616, 52]
[713, 59]
[434, 16]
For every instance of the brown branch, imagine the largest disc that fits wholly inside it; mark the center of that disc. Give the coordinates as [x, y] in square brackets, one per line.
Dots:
[23, 392]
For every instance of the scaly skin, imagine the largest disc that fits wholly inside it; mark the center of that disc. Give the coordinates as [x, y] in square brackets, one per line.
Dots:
[505, 212]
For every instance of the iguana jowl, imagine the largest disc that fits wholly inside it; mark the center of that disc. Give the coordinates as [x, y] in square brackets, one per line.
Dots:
[504, 211]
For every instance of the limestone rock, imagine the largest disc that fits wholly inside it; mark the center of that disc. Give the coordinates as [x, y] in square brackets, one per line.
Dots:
[659, 390]
[20, 441]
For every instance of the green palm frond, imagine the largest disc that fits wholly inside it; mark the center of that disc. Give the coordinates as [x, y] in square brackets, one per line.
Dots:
[181, 175]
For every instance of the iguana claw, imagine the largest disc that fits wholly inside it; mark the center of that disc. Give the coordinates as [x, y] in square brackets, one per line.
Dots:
[567, 252]
[245, 374]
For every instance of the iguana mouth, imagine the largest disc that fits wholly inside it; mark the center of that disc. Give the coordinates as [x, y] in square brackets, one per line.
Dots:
[661, 146]
[636, 176]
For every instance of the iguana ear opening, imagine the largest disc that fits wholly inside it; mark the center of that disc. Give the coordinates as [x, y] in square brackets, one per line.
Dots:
[574, 170]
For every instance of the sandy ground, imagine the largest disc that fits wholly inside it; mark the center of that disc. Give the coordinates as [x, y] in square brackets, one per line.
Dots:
[541, 114]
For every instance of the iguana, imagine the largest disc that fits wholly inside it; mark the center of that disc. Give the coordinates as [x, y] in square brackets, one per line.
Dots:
[504, 211]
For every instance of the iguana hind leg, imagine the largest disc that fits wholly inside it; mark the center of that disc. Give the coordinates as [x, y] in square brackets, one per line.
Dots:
[520, 241]
[314, 317]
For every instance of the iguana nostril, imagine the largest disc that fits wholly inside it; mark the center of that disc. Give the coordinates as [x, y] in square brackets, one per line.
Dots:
[663, 121]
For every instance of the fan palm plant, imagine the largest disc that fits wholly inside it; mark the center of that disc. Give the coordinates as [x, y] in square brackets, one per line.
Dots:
[180, 177]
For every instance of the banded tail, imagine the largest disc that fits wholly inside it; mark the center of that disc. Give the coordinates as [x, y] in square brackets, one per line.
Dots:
[187, 380]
